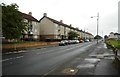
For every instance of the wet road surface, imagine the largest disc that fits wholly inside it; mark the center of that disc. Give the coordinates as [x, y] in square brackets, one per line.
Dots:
[41, 61]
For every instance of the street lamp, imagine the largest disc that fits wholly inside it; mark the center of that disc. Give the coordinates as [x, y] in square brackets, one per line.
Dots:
[97, 24]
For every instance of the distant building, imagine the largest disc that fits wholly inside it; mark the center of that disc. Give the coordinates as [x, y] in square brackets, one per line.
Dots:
[114, 36]
[117, 35]
[119, 17]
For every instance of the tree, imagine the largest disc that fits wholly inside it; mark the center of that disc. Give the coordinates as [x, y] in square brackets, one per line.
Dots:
[13, 24]
[72, 35]
[97, 37]
[105, 37]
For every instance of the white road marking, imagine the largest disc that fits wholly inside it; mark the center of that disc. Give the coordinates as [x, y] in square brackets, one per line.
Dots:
[4, 60]
[16, 52]
[18, 57]
[11, 58]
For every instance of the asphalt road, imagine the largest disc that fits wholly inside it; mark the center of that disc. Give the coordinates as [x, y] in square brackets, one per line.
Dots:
[40, 61]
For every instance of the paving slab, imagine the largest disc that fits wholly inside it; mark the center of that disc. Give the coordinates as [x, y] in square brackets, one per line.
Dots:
[106, 67]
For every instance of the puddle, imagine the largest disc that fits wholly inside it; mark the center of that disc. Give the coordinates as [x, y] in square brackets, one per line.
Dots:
[99, 56]
[92, 60]
[93, 56]
[38, 48]
[86, 66]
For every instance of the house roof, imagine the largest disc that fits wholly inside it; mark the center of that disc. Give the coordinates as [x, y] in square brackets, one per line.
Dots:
[29, 17]
[58, 22]
[116, 34]
[88, 33]
[61, 23]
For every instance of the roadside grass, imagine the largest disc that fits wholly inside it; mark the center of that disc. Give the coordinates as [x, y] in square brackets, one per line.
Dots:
[112, 42]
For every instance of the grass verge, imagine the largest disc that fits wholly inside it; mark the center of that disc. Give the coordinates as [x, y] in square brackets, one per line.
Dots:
[112, 42]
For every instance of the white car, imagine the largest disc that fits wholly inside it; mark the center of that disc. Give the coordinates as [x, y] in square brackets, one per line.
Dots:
[62, 43]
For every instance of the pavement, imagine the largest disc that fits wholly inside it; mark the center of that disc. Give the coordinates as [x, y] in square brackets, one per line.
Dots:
[98, 61]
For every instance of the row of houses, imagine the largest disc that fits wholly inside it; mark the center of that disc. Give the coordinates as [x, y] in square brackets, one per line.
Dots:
[49, 28]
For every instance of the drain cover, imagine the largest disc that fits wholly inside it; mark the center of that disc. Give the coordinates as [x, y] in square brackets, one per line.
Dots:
[70, 71]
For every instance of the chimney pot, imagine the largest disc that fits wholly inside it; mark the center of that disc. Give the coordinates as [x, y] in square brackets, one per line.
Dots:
[30, 13]
[61, 21]
[45, 14]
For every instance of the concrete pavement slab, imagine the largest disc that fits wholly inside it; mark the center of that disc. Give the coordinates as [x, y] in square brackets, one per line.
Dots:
[105, 67]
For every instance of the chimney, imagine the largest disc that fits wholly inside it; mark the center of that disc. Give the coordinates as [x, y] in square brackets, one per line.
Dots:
[70, 25]
[30, 13]
[61, 21]
[45, 14]
[77, 28]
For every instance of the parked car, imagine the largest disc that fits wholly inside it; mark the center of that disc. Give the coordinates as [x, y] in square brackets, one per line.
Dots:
[72, 41]
[66, 42]
[76, 41]
[81, 41]
[69, 41]
[62, 43]
[86, 40]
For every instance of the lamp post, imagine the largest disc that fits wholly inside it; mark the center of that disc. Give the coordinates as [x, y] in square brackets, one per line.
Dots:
[97, 24]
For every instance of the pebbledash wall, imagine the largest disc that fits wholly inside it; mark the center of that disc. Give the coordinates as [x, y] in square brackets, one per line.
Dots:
[47, 32]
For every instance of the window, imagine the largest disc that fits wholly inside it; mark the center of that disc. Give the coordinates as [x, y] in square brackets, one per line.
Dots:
[58, 30]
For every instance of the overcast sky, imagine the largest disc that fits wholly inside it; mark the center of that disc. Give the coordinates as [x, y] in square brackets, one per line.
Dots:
[75, 12]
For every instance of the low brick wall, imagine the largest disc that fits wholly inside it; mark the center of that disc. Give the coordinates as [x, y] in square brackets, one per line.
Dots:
[21, 45]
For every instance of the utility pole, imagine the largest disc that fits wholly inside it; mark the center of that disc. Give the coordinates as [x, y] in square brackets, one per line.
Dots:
[97, 24]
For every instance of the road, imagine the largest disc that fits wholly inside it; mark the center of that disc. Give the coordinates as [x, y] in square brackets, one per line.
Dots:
[41, 61]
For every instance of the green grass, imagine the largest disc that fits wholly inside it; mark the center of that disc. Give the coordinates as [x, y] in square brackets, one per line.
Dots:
[114, 43]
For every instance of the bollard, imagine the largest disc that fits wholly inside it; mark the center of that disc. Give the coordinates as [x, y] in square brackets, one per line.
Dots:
[115, 51]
